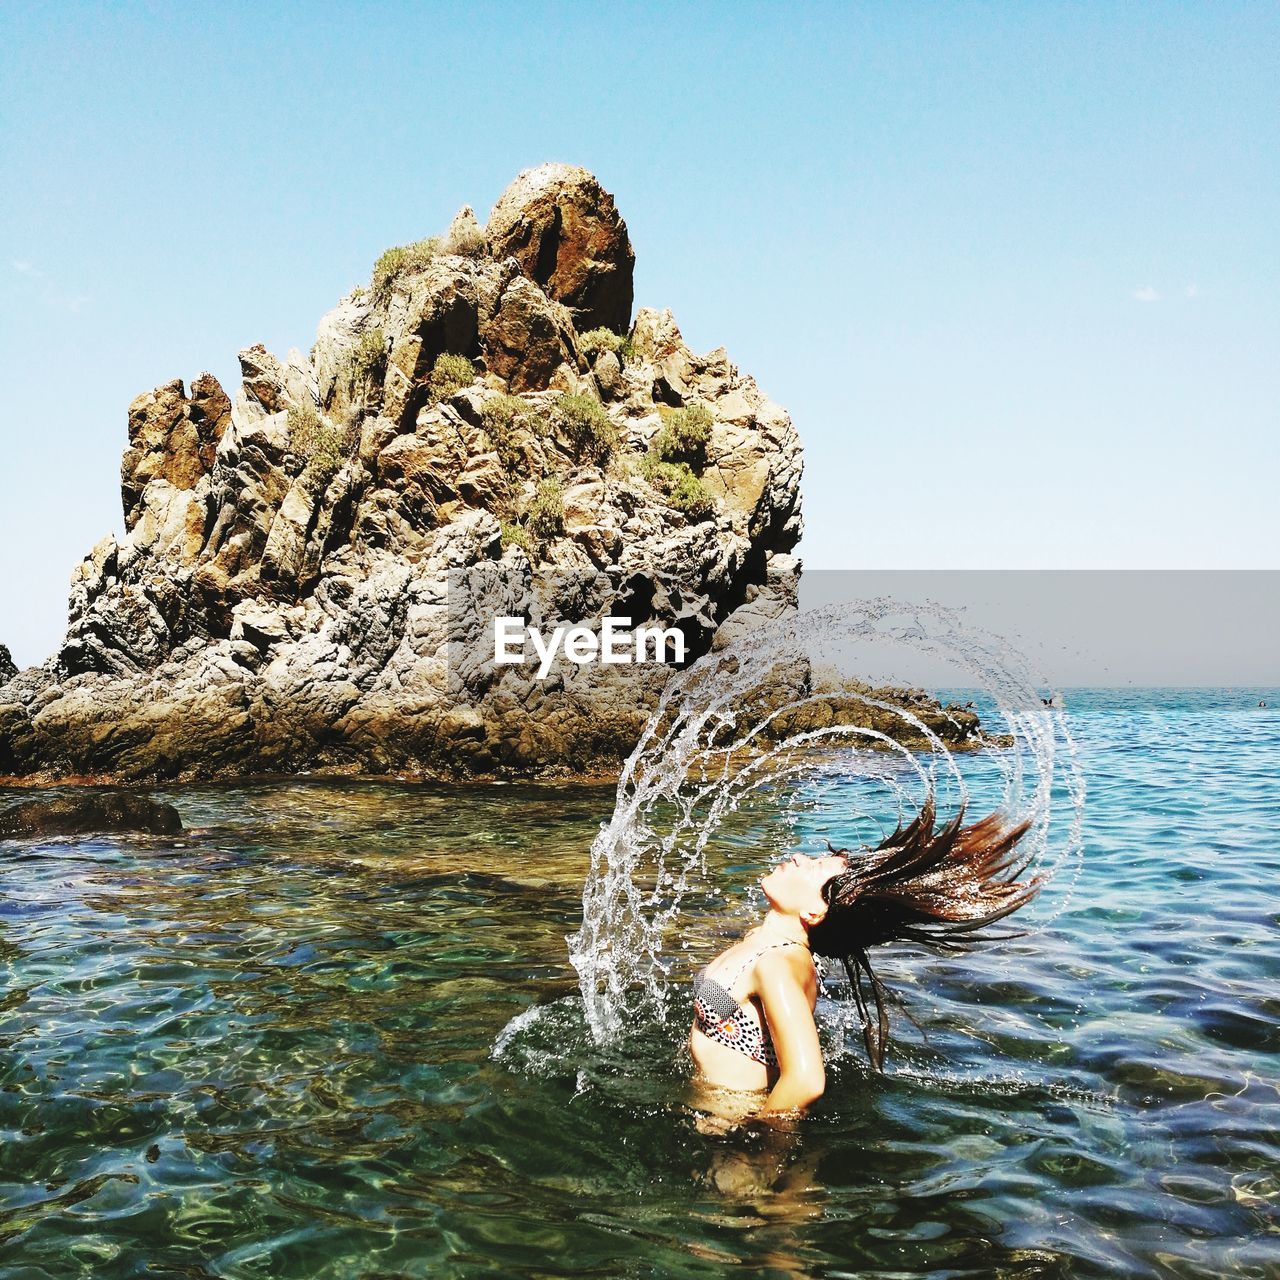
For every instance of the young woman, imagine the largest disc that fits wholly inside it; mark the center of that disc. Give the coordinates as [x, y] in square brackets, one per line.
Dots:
[753, 1028]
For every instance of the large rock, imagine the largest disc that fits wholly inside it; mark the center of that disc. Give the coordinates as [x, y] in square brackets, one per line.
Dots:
[8, 668]
[529, 338]
[563, 229]
[308, 580]
[87, 813]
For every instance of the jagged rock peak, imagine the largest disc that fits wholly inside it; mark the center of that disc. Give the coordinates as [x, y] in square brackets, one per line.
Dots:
[563, 228]
[172, 437]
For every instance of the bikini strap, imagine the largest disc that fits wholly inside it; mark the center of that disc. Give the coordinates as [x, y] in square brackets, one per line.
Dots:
[788, 942]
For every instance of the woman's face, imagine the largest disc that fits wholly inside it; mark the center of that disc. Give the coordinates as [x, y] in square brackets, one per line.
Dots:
[795, 885]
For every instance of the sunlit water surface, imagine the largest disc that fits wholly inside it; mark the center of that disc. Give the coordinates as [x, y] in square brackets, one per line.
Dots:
[339, 1035]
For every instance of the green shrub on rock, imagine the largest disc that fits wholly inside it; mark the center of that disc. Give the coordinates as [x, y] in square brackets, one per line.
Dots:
[677, 454]
[399, 261]
[324, 445]
[450, 373]
[678, 484]
[468, 242]
[584, 420]
[544, 517]
[304, 423]
[684, 436]
[368, 361]
[332, 450]
[501, 418]
[516, 535]
[594, 341]
[690, 495]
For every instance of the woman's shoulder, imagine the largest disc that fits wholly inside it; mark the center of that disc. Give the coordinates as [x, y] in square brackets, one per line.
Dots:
[787, 955]
[755, 947]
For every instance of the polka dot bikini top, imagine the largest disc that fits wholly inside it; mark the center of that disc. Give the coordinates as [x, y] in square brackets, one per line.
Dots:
[721, 1018]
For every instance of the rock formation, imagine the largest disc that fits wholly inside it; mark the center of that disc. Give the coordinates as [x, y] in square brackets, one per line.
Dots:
[306, 576]
[89, 813]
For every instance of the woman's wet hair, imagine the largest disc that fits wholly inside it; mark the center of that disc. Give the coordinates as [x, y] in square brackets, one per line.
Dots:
[939, 888]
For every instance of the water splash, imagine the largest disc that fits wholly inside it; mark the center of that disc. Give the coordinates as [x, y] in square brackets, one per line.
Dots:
[747, 722]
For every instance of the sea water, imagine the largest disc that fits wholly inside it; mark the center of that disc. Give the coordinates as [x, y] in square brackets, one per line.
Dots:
[339, 1034]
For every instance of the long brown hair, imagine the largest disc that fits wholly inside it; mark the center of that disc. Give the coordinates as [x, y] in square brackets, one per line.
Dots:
[940, 888]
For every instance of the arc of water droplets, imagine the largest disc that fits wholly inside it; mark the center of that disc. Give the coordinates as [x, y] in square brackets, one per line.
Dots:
[688, 760]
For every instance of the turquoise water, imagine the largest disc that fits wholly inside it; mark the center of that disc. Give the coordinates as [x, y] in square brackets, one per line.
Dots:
[269, 1050]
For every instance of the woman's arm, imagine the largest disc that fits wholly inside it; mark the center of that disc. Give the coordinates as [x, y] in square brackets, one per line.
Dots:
[801, 1078]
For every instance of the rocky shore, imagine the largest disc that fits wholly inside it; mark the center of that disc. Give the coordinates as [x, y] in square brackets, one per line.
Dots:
[307, 575]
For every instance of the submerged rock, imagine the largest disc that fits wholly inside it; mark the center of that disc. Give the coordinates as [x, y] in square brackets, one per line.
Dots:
[87, 814]
[308, 568]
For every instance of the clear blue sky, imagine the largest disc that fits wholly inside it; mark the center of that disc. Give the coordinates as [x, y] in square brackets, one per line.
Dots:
[1012, 268]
